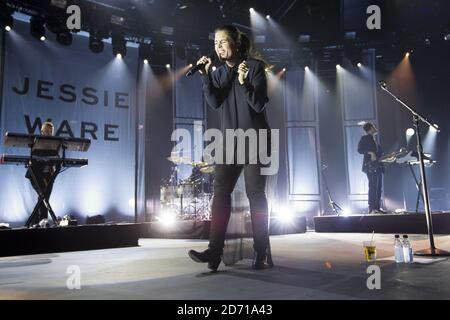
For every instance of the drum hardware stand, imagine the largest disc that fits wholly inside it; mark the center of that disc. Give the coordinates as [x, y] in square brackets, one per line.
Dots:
[417, 118]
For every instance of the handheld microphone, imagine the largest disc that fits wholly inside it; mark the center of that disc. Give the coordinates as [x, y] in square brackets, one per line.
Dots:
[197, 68]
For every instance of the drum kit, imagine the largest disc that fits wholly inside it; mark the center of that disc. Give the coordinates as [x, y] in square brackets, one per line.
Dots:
[189, 198]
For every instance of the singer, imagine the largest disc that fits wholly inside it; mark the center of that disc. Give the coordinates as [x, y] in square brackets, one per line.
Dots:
[239, 89]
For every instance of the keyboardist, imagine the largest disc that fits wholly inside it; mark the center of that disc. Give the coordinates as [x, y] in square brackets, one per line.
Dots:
[43, 172]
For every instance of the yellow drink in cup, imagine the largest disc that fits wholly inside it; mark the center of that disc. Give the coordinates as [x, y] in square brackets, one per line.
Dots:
[370, 251]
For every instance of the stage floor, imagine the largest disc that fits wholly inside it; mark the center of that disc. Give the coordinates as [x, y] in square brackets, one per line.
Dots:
[308, 266]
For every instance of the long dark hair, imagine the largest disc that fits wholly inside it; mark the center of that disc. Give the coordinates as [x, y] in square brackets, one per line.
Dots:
[242, 42]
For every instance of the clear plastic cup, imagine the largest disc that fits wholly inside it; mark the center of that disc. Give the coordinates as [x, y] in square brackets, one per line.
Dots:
[370, 250]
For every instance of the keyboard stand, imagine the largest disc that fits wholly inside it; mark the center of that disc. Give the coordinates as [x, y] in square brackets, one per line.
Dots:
[43, 195]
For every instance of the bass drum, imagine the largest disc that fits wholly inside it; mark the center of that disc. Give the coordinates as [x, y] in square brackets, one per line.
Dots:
[167, 194]
[185, 189]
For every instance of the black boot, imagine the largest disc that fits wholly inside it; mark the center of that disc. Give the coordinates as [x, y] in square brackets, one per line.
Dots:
[259, 261]
[213, 258]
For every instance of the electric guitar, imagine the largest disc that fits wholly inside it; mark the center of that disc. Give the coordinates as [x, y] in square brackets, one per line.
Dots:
[376, 165]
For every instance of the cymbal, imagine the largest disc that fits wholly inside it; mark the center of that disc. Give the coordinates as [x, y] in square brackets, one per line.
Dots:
[199, 163]
[207, 169]
[179, 160]
[186, 160]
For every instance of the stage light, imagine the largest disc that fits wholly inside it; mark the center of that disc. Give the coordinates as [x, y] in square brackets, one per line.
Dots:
[58, 27]
[284, 214]
[120, 21]
[410, 132]
[131, 202]
[306, 68]
[214, 68]
[429, 143]
[118, 45]
[433, 129]
[6, 19]
[338, 66]
[64, 38]
[407, 55]
[191, 65]
[350, 35]
[119, 56]
[168, 66]
[447, 37]
[95, 44]
[146, 52]
[37, 28]
[359, 64]
[284, 69]
[267, 17]
[119, 51]
[167, 217]
[346, 211]
[62, 4]
[304, 38]
[285, 217]
[157, 52]
[251, 10]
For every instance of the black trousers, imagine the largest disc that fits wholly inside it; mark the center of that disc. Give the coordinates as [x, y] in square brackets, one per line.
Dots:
[43, 180]
[225, 180]
[375, 189]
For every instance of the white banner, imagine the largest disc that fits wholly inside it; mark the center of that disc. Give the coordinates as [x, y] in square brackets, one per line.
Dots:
[85, 95]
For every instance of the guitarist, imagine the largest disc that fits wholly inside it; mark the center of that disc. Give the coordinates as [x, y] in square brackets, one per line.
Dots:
[371, 149]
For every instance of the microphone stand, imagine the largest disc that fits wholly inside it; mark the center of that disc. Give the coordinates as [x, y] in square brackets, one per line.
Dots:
[334, 206]
[432, 251]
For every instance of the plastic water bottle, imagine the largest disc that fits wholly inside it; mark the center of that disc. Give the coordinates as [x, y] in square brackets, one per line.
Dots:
[398, 249]
[407, 250]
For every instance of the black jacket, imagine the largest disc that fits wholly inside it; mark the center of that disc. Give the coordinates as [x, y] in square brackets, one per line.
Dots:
[368, 144]
[242, 106]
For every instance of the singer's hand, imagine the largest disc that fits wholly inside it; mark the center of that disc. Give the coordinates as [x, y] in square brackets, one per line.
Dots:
[243, 72]
[207, 62]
